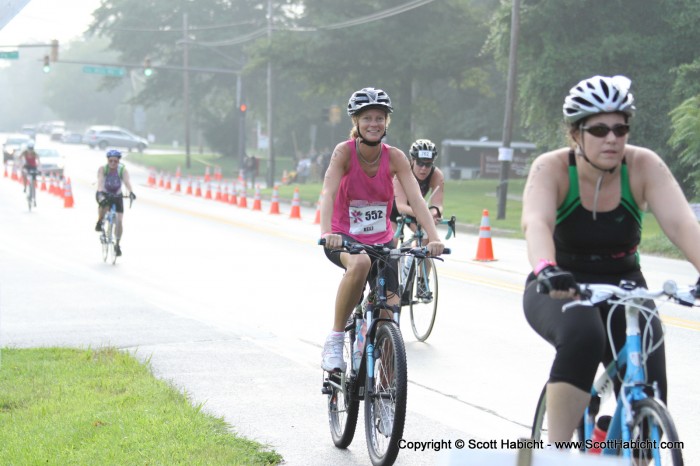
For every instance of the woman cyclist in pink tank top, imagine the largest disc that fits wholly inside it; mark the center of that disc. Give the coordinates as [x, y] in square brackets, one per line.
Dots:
[356, 205]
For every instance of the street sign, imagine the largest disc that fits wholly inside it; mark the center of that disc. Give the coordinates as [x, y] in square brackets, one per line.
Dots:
[114, 71]
[13, 55]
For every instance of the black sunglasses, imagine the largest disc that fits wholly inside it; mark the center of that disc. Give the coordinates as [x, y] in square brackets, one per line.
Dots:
[600, 131]
[424, 164]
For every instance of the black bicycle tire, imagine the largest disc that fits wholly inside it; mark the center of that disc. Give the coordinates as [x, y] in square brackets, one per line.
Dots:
[390, 333]
[641, 410]
[342, 432]
[104, 240]
[422, 336]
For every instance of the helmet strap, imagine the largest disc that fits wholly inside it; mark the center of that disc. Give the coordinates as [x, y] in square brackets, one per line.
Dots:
[369, 143]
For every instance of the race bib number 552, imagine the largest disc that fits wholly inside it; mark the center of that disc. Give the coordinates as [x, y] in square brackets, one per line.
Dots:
[367, 218]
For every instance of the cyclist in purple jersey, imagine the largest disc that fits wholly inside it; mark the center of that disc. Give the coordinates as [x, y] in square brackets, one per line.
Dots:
[109, 182]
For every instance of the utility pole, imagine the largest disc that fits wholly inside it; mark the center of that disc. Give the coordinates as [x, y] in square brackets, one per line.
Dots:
[505, 152]
[270, 152]
[186, 88]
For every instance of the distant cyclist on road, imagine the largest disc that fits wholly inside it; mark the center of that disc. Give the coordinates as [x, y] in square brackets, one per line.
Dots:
[582, 217]
[29, 161]
[109, 182]
[356, 203]
[430, 179]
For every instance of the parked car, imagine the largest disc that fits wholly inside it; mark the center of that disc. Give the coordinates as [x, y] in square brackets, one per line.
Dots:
[14, 145]
[29, 130]
[113, 136]
[69, 137]
[51, 162]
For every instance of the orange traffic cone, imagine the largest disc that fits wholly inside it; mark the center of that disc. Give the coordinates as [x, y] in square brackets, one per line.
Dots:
[484, 251]
[243, 198]
[43, 183]
[14, 173]
[241, 180]
[161, 181]
[285, 177]
[207, 195]
[178, 188]
[317, 220]
[232, 198]
[189, 186]
[68, 194]
[275, 206]
[224, 192]
[207, 177]
[169, 183]
[198, 191]
[296, 209]
[5, 170]
[217, 173]
[257, 203]
[152, 177]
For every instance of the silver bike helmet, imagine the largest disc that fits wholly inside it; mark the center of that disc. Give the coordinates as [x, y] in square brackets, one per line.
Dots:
[423, 149]
[599, 94]
[369, 97]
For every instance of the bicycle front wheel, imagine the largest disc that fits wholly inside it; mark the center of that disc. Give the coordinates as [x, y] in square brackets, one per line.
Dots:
[385, 402]
[424, 298]
[31, 195]
[653, 427]
[343, 406]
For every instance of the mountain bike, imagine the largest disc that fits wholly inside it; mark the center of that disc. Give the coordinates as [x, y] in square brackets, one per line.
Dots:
[641, 428]
[418, 278]
[30, 186]
[107, 239]
[378, 374]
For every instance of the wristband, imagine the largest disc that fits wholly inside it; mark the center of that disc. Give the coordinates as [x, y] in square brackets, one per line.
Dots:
[542, 264]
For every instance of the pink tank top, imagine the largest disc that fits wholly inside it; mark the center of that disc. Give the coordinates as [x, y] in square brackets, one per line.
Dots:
[363, 203]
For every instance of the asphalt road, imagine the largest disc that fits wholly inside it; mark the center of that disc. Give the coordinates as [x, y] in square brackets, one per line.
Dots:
[232, 307]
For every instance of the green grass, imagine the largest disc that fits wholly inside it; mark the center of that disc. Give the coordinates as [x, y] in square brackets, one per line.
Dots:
[84, 407]
[465, 199]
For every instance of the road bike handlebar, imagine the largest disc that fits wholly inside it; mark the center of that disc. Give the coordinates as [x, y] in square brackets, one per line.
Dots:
[594, 294]
[407, 220]
[109, 197]
[381, 250]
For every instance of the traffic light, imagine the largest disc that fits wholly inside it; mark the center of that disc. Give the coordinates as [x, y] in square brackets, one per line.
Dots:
[54, 50]
[243, 108]
[47, 64]
[147, 70]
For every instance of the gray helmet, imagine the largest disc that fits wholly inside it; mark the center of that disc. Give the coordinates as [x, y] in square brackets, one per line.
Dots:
[369, 97]
[599, 94]
[423, 149]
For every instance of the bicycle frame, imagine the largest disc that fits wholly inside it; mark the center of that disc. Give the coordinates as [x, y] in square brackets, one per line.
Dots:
[632, 358]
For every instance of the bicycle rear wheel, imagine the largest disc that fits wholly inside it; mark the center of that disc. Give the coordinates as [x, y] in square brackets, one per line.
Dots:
[424, 298]
[539, 423]
[653, 426]
[343, 406]
[385, 401]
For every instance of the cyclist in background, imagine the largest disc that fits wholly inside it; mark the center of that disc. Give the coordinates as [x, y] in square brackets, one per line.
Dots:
[430, 179]
[29, 161]
[582, 218]
[356, 203]
[109, 182]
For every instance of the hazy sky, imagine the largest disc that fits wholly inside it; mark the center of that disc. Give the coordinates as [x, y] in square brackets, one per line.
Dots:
[43, 20]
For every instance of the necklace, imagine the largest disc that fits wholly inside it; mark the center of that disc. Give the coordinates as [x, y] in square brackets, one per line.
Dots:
[363, 159]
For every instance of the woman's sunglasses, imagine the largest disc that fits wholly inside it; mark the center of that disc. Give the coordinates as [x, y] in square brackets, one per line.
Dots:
[420, 163]
[600, 131]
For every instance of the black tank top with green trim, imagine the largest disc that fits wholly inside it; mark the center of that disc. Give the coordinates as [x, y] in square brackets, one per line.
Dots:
[607, 245]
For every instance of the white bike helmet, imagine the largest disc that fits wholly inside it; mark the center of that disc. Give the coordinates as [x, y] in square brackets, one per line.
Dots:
[369, 97]
[599, 94]
[423, 149]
